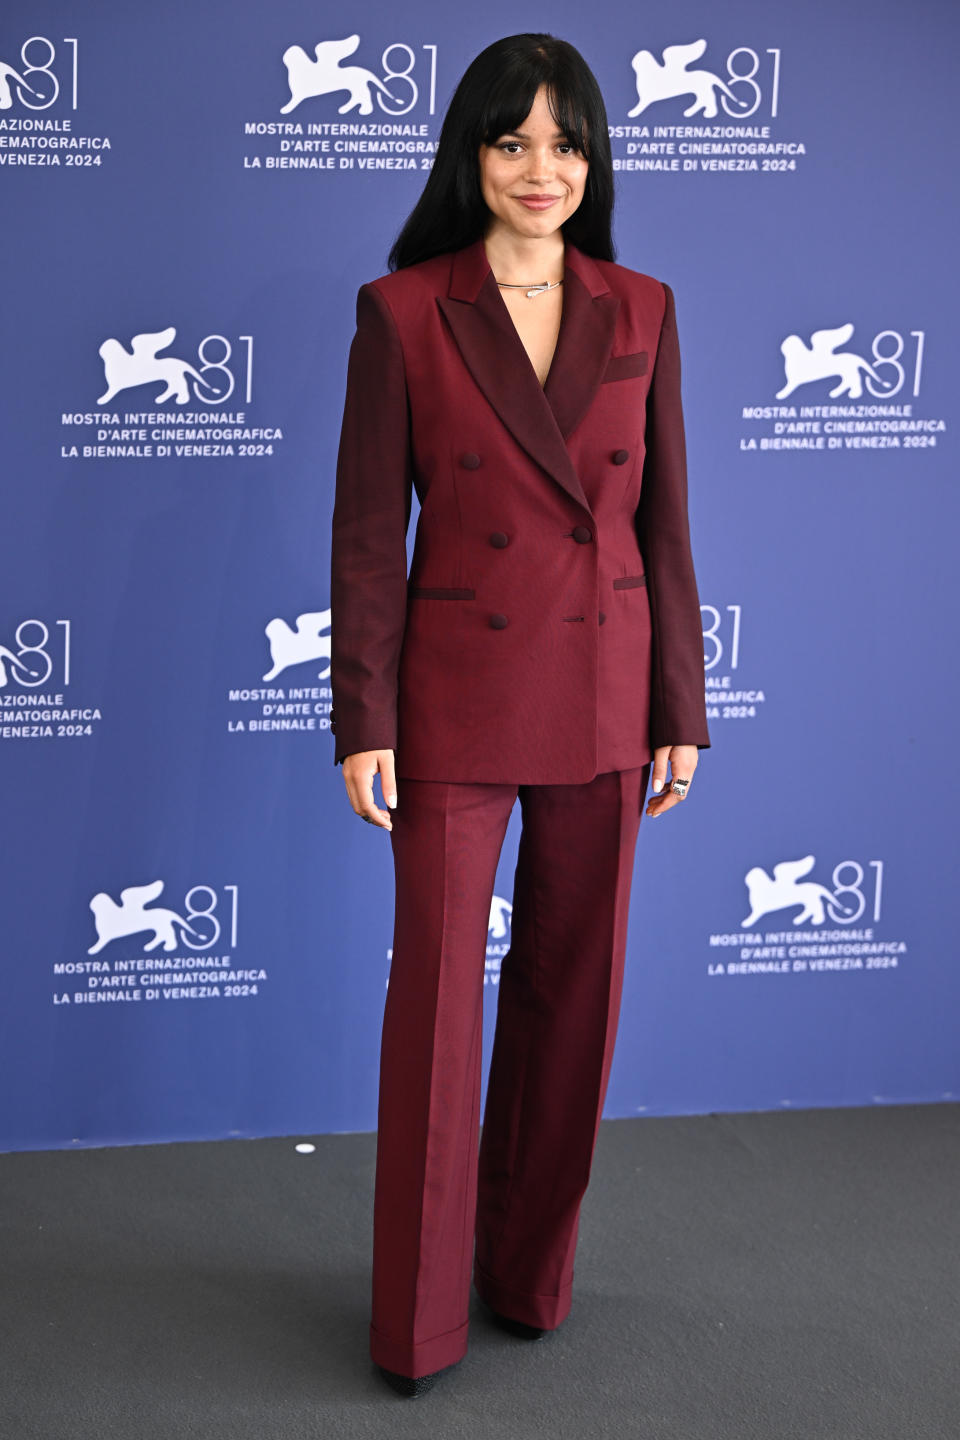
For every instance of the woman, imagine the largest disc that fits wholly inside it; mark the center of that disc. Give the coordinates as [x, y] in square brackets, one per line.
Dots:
[547, 644]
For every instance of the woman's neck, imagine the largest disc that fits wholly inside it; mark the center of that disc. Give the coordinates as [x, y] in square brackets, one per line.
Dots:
[523, 260]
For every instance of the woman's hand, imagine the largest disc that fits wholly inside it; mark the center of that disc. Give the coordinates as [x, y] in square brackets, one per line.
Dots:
[358, 772]
[683, 761]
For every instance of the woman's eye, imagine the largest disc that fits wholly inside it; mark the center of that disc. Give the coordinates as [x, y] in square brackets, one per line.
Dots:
[567, 146]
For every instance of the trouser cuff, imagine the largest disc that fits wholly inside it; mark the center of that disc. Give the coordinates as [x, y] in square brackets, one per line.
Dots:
[544, 1311]
[423, 1358]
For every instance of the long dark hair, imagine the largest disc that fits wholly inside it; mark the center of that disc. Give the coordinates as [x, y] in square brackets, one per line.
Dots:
[495, 95]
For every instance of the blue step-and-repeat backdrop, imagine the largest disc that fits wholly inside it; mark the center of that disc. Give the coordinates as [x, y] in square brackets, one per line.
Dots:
[196, 927]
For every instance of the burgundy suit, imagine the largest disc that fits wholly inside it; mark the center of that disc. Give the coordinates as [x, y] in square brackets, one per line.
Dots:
[547, 638]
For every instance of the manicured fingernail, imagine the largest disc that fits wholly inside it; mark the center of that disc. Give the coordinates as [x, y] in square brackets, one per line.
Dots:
[658, 785]
[391, 800]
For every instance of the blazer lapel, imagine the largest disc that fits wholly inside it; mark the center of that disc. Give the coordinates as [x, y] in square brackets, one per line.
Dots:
[539, 417]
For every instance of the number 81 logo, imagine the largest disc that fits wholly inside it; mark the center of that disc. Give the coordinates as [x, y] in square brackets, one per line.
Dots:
[36, 85]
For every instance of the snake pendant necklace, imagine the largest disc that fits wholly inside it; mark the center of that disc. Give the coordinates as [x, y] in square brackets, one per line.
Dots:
[533, 289]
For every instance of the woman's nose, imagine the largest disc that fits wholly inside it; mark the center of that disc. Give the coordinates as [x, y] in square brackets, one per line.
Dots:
[540, 168]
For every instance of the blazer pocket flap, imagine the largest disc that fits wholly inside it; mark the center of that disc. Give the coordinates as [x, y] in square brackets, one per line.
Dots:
[629, 582]
[439, 592]
[623, 367]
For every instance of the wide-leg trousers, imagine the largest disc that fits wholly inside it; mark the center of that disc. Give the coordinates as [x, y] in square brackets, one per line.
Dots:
[503, 1212]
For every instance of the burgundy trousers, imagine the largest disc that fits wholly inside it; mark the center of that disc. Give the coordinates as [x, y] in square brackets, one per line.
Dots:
[502, 1209]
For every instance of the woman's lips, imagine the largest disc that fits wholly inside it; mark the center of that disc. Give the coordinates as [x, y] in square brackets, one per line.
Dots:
[537, 202]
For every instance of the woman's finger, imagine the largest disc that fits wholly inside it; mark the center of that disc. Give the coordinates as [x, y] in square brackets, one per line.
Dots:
[658, 775]
[360, 794]
[657, 804]
[388, 778]
[369, 808]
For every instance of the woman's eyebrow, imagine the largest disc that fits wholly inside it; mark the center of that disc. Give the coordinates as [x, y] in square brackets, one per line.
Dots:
[522, 135]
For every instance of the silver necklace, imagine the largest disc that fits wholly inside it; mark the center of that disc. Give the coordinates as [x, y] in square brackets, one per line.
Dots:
[533, 290]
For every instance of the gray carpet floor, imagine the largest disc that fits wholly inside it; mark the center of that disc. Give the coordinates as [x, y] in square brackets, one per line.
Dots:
[784, 1276]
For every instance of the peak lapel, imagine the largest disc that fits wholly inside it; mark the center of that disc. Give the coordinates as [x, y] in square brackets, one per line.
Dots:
[539, 417]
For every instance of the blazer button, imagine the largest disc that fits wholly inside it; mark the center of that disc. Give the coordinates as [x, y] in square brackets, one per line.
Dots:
[498, 622]
[620, 457]
[499, 539]
[581, 534]
[470, 460]
[602, 617]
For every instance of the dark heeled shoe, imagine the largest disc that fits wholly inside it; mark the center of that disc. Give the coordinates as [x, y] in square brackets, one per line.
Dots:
[410, 1384]
[517, 1327]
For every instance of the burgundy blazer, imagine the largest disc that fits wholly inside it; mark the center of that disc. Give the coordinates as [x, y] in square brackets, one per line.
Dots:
[549, 628]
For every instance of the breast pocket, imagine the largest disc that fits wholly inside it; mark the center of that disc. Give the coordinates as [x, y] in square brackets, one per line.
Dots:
[625, 367]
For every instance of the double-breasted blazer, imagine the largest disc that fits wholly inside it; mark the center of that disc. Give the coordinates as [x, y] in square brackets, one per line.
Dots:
[549, 627]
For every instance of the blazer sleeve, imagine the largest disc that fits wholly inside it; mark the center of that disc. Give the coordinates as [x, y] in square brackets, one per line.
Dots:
[368, 552]
[678, 714]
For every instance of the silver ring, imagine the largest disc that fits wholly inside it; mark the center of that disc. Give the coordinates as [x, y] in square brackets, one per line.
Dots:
[679, 787]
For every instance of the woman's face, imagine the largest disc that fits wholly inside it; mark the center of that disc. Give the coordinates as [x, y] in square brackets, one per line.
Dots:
[535, 161]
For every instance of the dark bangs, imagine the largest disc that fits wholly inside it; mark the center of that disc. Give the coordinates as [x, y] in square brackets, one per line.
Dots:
[508, 101]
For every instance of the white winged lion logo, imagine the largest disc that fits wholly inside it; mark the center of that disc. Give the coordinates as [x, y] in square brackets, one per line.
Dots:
[782, 890]
[142, 365]
[131, 917]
